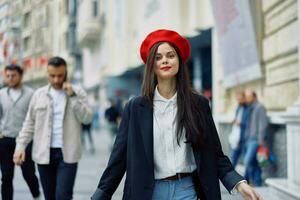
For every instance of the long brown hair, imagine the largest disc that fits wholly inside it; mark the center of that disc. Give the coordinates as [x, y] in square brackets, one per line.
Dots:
[188, 110]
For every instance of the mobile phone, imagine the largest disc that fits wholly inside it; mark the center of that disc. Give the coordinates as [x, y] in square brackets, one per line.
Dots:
[66, 76]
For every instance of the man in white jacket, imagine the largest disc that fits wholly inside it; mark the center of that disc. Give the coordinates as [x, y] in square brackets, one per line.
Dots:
[53, 121]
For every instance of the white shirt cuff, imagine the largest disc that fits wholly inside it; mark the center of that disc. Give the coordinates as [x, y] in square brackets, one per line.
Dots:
[234, 190]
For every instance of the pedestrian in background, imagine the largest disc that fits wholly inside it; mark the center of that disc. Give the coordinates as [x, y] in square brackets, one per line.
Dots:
[56, 112]
[167, 141]
[237, 136]
[255, 136]
[87, 133]
[14, 102]
[112, 115]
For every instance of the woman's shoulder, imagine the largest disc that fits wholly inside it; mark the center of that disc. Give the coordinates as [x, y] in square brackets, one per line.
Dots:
[133, 102]
[200, 98]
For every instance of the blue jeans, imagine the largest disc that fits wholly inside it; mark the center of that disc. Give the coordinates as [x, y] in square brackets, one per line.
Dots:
[182, 189]
[236, 153]
[58, 177]
[253, 171]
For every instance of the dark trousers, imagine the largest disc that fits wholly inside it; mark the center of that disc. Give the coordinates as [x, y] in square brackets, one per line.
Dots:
[86, 131]
[58, 177]
[7, 148]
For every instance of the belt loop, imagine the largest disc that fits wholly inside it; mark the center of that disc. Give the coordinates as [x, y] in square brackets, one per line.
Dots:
[179, 176]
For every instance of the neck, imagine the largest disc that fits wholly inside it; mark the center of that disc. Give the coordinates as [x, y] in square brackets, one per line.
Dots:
[57, 89]
[167, 88]
[17, 87]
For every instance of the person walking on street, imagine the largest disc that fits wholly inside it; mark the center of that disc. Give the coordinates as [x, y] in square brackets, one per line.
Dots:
[112, 115]
[56, 112]
[86, 131]
[255, 136]
[14, 102]
[167, 141]
[239, 124]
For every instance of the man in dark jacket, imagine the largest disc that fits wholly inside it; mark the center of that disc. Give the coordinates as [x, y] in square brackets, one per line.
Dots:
[112, 115]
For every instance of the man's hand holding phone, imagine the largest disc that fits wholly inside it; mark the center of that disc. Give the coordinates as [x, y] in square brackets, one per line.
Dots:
[67, 87]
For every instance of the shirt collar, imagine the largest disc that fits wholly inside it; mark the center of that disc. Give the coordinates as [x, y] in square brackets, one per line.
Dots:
[10, 89]
[159, 97]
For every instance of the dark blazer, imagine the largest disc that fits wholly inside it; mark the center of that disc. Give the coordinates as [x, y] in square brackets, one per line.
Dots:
[133, 153]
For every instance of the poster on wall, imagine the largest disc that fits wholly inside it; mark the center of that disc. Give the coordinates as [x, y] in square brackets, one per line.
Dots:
[236, 40]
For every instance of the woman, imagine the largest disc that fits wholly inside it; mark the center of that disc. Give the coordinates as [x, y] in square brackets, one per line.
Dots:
[167, 141]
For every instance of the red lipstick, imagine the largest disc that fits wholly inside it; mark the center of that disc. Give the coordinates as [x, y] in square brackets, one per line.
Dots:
[165, 68]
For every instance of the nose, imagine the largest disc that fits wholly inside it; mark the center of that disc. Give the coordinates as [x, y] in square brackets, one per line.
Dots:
[56, 80]
[165, 60]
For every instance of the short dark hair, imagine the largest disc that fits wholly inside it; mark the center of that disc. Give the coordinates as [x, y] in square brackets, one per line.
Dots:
[57, 61]
[14, 67]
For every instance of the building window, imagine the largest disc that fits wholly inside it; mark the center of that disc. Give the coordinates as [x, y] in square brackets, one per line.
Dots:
[27, 18]
[27, 43]
[95, 8]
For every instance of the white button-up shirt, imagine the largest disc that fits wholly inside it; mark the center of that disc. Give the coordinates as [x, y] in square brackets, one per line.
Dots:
[169, 157]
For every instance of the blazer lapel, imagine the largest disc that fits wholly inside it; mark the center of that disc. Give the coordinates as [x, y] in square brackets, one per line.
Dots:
[146, 127]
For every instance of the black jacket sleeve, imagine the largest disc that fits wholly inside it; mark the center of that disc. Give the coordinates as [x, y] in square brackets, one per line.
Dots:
[226, 173]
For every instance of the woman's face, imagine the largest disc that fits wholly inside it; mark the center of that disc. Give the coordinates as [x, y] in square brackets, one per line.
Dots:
[166, 63]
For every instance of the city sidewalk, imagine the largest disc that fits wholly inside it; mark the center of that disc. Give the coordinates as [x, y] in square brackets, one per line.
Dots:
[91, 167]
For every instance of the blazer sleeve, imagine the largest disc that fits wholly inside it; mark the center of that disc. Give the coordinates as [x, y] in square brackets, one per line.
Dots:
[226, 173]
[116, 167]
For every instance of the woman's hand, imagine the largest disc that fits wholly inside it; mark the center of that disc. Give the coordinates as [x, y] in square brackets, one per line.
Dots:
[248, 192]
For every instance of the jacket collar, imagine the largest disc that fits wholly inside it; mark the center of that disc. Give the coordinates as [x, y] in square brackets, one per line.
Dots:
[22, 93]
[159, 97]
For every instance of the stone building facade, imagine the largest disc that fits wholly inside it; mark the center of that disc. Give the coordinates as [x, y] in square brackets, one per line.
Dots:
[36, 30]
[277, 35]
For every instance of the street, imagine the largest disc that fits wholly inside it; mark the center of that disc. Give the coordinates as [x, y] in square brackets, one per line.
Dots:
[91, 167]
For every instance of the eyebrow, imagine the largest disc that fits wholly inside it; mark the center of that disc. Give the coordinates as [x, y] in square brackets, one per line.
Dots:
[172, 51]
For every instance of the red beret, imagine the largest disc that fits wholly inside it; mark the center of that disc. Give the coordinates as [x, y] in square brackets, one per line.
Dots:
[163, 35]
